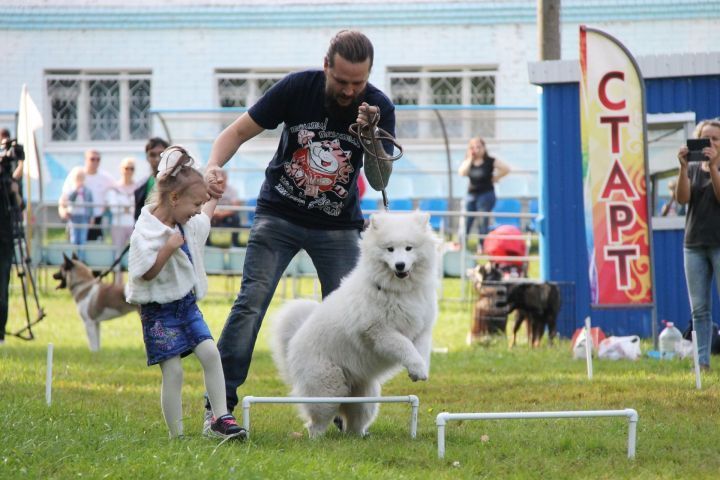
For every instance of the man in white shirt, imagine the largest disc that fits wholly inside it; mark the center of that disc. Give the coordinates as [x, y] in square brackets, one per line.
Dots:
[98, 182]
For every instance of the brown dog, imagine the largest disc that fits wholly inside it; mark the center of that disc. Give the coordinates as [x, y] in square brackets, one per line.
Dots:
[95, 301]
[489, 311]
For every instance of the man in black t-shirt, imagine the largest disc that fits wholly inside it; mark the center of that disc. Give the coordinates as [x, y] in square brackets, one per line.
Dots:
[309, 199]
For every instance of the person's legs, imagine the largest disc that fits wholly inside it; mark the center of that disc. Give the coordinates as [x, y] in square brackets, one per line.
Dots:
[171, 395]
[209, 357]
[6, 254]
[470, 206]
[698, 274]
[233, 221]
[485, 203]
[334, 254]
[272, 244]
[95, 232]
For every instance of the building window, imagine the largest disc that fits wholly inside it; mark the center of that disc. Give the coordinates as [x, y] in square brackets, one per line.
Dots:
[426, 86]
[87, 106]
[242, 88]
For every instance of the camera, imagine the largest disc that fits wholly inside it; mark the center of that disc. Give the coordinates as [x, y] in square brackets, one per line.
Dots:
[695, 148]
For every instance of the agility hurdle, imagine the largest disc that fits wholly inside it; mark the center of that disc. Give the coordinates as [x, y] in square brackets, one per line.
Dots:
[411, 399]
[630, 413]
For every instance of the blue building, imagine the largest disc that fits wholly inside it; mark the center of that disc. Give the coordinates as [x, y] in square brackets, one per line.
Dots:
[680, 90]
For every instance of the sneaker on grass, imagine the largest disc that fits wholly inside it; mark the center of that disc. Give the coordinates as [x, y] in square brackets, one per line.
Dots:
[226, 427]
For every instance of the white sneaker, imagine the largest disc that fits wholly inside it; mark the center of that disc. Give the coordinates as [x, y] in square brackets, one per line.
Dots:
[207, 423]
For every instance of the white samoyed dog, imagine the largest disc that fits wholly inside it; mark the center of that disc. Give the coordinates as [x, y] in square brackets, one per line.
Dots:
[379, 320]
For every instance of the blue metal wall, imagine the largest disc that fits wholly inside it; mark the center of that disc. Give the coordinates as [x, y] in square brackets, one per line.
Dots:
[563, 237]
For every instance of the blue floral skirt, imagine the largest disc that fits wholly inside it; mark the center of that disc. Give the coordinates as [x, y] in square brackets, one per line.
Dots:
[172, 329]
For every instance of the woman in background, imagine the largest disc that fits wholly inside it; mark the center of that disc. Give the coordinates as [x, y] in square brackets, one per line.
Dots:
[698, 186]
[484, 172]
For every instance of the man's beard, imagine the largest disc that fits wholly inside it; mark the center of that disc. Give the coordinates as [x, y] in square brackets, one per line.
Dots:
[346, 114]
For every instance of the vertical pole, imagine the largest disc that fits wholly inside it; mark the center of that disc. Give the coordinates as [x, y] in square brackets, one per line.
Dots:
[588, 348]
[632, 436]
[441, 440]
[48, 375]
[246, 416]
[696, 359]
[548, 25]
[414, 403]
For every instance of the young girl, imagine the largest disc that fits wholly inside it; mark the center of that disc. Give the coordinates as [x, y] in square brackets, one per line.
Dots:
[166, 277]
[75, 206]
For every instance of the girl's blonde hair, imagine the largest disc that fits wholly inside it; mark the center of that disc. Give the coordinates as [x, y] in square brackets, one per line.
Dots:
[176, 173]
[705, 123]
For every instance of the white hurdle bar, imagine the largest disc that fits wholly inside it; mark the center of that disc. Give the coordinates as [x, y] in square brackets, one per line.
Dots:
[630, 413]
[411, 399]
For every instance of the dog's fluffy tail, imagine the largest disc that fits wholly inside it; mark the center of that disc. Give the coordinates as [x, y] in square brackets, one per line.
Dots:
[285, 323]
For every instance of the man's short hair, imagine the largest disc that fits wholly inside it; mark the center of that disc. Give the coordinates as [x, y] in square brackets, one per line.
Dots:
[5, 133]
[154, 142]
[351, 45]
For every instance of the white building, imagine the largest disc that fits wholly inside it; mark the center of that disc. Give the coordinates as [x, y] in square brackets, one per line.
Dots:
[104, 72]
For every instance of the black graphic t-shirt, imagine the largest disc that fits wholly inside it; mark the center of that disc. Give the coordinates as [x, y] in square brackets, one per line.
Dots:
[312, 178]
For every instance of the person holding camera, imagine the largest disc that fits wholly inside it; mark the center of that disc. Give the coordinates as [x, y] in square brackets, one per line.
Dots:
[698, 186]
[12, 157]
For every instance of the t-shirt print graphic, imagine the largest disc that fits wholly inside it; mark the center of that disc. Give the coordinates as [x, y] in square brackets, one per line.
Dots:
[320, 166]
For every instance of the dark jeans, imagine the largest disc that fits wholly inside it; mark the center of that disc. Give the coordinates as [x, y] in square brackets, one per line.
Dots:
[482, 202]
[95, 233]
[273, 242]
[6, 261]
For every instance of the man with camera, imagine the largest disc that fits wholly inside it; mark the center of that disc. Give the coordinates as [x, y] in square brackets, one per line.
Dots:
[12, 157]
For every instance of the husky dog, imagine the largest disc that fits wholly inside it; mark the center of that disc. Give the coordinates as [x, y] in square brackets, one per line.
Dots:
[95, 301]
[378, 321]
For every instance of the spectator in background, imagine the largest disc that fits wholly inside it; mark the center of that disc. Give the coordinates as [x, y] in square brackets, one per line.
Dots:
[224, 217]
[75, 207]
[698, 186]
[121, 199]
[98, 183]
[484, 172]
[672, 208]
[153, 148]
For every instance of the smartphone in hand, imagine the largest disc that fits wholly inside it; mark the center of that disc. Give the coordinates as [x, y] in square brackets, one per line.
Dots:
[695, 147]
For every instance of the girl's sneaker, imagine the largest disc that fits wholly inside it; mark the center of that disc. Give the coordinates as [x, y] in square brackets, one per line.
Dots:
[227, 427]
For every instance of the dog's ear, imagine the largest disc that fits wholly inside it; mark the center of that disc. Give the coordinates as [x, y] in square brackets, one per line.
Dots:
[75, 256]
[67, 263]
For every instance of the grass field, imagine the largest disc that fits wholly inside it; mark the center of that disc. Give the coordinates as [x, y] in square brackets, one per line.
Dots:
[105, 419]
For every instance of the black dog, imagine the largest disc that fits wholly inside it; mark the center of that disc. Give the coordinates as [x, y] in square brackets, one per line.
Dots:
[539, 304]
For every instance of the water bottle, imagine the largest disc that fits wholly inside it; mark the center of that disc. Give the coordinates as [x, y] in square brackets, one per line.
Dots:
[667, 340]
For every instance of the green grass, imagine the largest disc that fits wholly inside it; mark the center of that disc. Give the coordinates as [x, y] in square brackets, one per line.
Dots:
[105, 419]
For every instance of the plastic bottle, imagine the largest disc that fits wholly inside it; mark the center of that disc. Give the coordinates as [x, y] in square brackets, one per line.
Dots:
[667, 340]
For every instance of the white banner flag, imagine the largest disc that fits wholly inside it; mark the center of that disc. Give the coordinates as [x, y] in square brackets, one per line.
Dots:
[29, 120]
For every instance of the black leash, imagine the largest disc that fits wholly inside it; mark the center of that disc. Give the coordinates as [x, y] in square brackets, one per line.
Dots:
[379, 175]
[115, 263]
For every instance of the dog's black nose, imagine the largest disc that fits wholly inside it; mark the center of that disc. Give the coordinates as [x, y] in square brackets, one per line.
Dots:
[400, 266]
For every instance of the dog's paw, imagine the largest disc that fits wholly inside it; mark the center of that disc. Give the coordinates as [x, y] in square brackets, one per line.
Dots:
[418, 373]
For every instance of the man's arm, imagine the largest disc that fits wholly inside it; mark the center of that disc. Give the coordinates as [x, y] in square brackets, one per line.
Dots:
[377, 172]
[227, 143]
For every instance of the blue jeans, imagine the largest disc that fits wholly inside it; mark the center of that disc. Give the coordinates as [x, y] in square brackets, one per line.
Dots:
[79, 236]
[273, 242]
[700, 264]
[482, 202]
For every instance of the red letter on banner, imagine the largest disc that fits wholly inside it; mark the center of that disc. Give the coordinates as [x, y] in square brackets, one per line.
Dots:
[622, 255]
[620, 217]
[615, 129]
[618, 182]
[602, 93]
